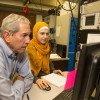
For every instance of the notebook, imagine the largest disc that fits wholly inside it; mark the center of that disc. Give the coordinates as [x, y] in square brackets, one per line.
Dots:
[70, 79]
[55, 79]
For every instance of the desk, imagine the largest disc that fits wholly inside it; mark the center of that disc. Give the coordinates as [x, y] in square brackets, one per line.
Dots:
[57, 59]
[35, 93]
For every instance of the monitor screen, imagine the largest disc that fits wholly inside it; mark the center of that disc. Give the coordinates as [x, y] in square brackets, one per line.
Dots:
[88, 73]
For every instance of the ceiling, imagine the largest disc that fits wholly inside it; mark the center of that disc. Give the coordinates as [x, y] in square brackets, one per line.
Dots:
[41, 7]
[42, 2]
[34, 6]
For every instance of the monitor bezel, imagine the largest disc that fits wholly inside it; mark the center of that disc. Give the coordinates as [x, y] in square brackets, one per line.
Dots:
[82, 90]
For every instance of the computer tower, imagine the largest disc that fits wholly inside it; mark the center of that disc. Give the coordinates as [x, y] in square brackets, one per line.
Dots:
[61, 50]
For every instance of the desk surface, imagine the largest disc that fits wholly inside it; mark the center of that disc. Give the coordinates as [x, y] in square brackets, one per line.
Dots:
[57, 59]
[35, 93]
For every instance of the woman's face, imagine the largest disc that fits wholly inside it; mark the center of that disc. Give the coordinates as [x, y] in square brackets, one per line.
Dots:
[43, 36]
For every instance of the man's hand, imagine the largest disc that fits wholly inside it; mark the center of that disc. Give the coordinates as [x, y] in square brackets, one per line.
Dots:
[20, 78]
[58, 72]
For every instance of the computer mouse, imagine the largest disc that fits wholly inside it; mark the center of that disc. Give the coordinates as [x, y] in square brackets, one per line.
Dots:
[47, 88]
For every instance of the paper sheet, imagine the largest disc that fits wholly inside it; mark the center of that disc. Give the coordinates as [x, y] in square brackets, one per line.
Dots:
[52, 56]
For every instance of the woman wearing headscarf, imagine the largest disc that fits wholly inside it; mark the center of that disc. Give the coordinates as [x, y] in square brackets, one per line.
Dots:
[39, 54]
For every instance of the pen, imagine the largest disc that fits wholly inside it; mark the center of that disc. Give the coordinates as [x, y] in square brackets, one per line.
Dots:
[28, 97]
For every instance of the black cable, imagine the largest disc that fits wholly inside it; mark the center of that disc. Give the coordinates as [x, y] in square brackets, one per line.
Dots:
[72, 15]
[41, 5]
[34, 3]
[66, 9]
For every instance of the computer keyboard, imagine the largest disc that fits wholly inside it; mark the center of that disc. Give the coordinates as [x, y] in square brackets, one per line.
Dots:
[65, 95]
[55, 79]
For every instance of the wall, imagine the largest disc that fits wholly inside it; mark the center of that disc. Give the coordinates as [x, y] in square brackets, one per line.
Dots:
[31, 17]
[38, 18]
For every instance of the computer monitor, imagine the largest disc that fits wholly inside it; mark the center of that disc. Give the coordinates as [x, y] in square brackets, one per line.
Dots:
[88, 73]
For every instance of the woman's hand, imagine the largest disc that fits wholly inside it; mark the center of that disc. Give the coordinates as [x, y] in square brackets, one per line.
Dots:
[58, 72]
[40, 83]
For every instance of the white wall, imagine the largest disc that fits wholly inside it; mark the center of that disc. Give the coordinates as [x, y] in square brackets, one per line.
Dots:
[38, 18]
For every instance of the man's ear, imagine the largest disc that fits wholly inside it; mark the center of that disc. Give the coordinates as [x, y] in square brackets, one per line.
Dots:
[7, 36]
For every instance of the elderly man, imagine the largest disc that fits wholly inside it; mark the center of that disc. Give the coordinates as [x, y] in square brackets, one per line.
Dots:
[15, 31]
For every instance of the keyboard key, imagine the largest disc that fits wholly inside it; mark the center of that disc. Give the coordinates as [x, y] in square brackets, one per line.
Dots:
[65, 95]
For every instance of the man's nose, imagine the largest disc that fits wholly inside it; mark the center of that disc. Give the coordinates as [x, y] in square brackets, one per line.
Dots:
[28, 40]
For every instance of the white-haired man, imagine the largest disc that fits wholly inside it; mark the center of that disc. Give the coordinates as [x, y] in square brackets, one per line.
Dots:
[15, 31]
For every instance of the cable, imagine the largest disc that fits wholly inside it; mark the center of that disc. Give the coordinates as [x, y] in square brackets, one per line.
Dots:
[66, 9]
[72, 14]
[41, 4]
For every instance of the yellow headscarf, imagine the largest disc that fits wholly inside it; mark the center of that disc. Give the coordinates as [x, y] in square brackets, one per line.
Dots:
[38, 53]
